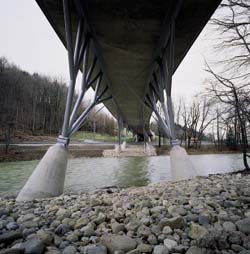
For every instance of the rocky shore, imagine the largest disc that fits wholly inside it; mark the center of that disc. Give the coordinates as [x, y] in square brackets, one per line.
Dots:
[203, 215]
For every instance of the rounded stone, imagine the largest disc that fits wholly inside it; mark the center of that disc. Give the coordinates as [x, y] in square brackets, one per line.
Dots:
[244, 225]
[81, 222]
[170, 244]
[229, 226]
[117, 227]
[118, 243]
[46, 237]
[145, 248]
[204, 219]
[95, 249]
[160, 249]
[197, 231]
[34, 246]
[69, 250]
[62, 229]
[174, 223]
[152, 240]
[12, 226]
[194, 250]
[167, 230]
[52, 250]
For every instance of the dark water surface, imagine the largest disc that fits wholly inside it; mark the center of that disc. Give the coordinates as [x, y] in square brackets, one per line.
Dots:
[87, 174]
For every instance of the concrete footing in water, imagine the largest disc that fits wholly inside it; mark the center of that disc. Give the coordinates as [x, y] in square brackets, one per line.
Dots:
[181, 166]
[130, 151]
[47, 180]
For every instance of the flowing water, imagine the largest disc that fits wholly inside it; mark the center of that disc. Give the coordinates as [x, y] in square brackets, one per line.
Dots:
[87, 174]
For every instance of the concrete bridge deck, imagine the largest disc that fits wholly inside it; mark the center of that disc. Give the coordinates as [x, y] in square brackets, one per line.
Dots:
[129, 35]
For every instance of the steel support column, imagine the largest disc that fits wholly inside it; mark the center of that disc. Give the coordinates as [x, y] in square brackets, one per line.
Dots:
[158, 99]
[47, 179]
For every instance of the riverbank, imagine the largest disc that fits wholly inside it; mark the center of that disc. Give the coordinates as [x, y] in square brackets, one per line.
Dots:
[77, 150]
[203, 215]
[211, 149]
[28, 153]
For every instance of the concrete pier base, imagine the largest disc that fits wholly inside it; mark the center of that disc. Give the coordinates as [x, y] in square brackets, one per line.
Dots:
[123, 146]
[47, 180]
[149, 150]
[118, 149]
[181, 166]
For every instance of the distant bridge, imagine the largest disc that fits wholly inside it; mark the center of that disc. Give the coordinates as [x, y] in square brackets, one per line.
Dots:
[127, 51]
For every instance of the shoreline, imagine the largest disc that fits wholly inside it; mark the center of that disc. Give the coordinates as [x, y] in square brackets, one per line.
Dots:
[27, 153]
[203, 215]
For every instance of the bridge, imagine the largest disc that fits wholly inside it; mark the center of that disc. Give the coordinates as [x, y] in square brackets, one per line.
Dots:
[127, 51]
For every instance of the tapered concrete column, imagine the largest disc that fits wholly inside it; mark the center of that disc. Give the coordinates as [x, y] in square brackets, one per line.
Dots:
[181, 166]
[123, 146]
[47, 180]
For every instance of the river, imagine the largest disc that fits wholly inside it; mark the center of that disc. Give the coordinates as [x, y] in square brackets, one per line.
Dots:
[88, 174]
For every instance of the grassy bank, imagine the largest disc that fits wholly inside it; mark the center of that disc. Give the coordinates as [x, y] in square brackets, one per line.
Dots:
[84, 135]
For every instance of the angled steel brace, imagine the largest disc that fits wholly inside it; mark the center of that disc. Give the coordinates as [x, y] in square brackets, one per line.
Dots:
[120, 128]
[68, 30]
[80, 120]
[160, 82]
[79, 38]
[152, 104]
[83, 89]
[98, 98]
[159, 88]
[78, 55]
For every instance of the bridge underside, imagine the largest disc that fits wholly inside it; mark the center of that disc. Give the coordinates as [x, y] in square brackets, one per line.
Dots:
[128, 37]
[127, 51]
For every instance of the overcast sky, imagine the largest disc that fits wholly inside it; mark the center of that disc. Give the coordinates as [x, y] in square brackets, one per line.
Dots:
[28, 41]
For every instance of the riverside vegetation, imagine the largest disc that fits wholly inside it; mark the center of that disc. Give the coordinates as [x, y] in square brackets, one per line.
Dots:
[203, 215]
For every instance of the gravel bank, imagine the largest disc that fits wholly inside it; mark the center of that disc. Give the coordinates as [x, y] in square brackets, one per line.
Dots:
[204, 215]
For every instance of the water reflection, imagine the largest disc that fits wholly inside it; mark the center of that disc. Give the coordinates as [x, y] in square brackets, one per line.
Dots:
[13, 175]
[133, 172]
[88, 174]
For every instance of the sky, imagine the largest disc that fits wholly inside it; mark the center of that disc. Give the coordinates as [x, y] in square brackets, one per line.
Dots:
[28, 40]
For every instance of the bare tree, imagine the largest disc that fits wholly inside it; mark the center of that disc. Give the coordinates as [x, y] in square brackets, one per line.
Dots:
[233, 24]
[196, 119]
[232, 95]
[231, 84]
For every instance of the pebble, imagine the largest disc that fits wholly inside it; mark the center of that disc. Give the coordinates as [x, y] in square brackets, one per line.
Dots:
[34, 246]
[229, 226]
[160, 249]
[52, 250]
[204, 219]
[118, 243]
[152, 240]
[204, 215]
[69, 250]
[62, 229]
[145, 248]
[170, 244]
[244, 225]
[173, 223]
[11, 251]
[95, 249]
[117, 227]
[197, 231]
[194, 250]
[11, 236]
[12, 226]
[81, 223]
[167, 230]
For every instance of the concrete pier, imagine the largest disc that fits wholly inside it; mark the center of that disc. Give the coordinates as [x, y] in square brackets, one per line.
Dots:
[181, 166]
[47, 180]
